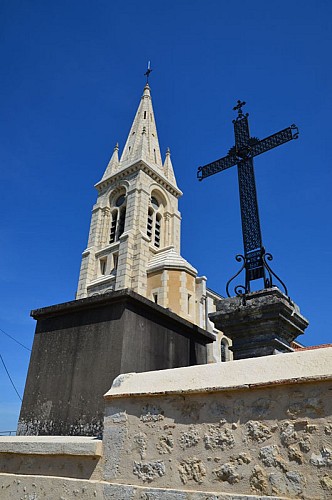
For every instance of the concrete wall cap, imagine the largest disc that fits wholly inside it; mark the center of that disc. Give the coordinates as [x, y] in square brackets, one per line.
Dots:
[51, 445]
[292, 367]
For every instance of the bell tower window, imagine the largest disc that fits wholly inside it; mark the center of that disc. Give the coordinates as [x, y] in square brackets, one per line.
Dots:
[120, 200]
[157, 231]
[118, 218]
[154, 222]
[150, 222]
[113, 225]
[122, 219]
[155, 203]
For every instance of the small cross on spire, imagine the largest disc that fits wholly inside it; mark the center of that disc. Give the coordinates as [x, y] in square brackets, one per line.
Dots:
[147, 73]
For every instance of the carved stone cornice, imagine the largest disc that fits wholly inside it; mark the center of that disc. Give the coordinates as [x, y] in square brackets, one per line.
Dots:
[136, 167]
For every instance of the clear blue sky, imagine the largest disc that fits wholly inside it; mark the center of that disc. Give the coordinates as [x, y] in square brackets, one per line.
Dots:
[72, 77]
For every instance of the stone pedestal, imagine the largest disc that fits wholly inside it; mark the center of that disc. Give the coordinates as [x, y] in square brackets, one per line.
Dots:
[80, 347]
[260, 324]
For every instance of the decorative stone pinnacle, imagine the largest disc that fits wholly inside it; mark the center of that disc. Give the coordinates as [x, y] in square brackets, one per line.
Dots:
[146, 92]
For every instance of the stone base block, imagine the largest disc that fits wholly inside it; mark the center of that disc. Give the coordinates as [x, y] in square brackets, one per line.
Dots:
[260, 323]
[80, 347]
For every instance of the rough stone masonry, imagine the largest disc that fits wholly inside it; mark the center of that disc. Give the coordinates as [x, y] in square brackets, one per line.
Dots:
[254, 428]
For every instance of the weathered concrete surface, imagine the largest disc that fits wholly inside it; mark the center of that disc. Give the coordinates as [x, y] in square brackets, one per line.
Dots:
[51, 445]
[76, 457]
[253, 432]
[66, 466]
[81, 346]
[260, 323]
[37, 487]
[269, 370]
[15, 487]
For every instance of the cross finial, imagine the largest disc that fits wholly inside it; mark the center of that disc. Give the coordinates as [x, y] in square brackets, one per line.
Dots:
[147, 73]
[238, 107]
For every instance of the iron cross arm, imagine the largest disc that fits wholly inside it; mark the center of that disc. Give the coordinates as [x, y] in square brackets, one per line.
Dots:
[253, 148]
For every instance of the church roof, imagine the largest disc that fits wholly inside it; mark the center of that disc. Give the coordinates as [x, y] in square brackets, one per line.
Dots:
[169, 259]
[142, 144]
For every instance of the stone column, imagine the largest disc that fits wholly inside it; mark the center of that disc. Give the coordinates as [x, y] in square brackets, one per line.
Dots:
[260, 323]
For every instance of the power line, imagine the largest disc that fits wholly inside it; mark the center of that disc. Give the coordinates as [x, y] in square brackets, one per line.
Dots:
[11, 380]
[25, 347]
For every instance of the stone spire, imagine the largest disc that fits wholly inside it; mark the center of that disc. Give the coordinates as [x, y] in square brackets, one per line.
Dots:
[113, 163]
[142, 142]
[168, 168]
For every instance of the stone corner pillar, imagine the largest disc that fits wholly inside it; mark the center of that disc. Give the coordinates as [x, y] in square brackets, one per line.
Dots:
[260, 323]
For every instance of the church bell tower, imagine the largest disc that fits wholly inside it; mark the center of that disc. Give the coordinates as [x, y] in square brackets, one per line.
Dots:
[134, 239]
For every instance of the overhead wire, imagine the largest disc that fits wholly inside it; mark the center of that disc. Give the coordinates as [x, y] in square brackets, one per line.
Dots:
[4, 364]
[17, 341]
[11, 380]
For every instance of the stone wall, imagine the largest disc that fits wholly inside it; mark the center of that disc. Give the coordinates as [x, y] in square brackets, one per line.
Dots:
[54, 488]
[232, 428]
[257, 428]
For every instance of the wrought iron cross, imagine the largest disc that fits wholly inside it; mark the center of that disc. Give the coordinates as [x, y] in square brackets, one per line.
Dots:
[254, 260]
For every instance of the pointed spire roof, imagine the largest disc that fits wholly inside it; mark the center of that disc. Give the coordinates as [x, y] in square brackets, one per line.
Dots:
[142, 142]
[168, 168]
[112, 164]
